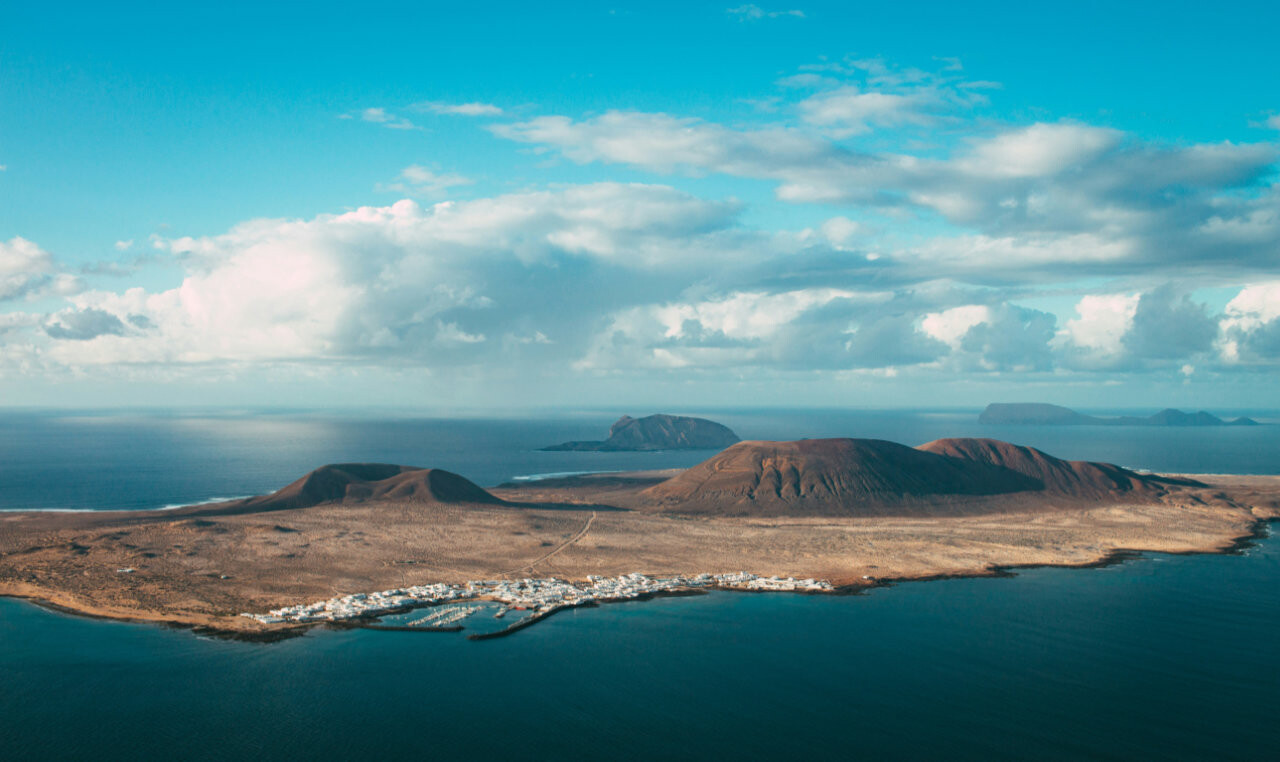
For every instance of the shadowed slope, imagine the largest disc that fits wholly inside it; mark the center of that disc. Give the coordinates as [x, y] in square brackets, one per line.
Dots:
[1075, 478]
[827, 477]
[358, 482]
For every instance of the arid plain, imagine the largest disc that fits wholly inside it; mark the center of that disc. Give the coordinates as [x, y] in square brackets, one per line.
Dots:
[202, 566]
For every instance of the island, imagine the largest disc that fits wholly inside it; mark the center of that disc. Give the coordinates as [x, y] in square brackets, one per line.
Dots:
[1043, 414]
[657, 432]
[361, 544]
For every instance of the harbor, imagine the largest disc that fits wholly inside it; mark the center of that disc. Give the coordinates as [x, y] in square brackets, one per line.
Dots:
[532, 599]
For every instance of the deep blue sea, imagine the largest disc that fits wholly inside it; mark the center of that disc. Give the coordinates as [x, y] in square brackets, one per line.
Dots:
[1169, 657]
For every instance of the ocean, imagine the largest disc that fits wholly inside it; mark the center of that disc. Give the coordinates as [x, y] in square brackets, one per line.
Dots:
[122, 461]
[1161, 657]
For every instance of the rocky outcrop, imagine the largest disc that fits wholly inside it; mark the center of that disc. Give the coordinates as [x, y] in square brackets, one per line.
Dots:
[657, 432]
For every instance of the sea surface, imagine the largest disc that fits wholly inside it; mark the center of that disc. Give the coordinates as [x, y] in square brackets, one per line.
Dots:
[122, 461]
[1169, 657]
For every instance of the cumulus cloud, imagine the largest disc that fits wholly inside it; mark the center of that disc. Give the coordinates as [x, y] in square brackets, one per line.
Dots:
[1160, 328]
[27, 272]
[1168, 325]
[952, 325]
[1250, 325]
[407, 284]
[1012, 338]
[816, 328]
[1096, 335]
[1005, 337]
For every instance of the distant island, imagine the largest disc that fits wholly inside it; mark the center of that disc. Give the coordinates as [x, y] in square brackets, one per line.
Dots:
[1039, 413]
[657, 432]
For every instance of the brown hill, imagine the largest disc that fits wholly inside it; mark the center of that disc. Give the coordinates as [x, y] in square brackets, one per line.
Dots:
[1074, 478]
[828, 477]
[358, 482]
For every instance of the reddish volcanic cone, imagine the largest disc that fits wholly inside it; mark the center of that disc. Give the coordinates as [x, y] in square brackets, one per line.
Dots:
[358, 482]
[1075, 478]
[828, 477]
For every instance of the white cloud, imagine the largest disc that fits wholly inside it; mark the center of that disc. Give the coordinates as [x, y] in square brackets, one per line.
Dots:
[840, 231]
[984, 257]
[419, 182]
[1037, 151]
[28, 272]
[1255, 304]
[1249, 329]
[124, 245]
[950, 326]
[404, 284]
[1102, 322]
[380, 116]
[752, 12]
[805, 327]
[458, 109]
[1047, 193]
[450, 333]
[744, 315]
[1273, 121]
[851, 111]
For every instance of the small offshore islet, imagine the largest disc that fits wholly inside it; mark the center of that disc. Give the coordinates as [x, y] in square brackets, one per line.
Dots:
[541, 596]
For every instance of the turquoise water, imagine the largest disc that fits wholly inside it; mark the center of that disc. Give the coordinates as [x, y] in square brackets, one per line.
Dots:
[1164, 657]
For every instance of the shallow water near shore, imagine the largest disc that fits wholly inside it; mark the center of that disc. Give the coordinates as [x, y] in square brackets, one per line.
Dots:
[1161, 657]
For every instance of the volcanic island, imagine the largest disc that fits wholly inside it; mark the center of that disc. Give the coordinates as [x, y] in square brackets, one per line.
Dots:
[351, 543]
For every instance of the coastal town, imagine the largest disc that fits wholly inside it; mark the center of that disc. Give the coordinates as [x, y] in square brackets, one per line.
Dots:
[539, 596]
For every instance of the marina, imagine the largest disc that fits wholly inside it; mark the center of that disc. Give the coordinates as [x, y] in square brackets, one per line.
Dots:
[539, 597]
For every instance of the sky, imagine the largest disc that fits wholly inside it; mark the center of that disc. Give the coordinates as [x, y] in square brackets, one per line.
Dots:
[522, 206]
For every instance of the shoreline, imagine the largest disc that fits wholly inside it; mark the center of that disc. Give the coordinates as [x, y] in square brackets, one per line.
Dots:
[1259, 529]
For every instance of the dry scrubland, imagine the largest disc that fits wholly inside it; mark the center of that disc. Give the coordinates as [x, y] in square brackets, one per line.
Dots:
[202, 566]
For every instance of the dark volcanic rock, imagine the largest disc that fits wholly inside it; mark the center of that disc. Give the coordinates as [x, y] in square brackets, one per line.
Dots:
[658, 432]
[358, 482]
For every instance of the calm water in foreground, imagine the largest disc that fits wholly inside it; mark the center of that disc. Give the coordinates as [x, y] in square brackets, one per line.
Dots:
[1164, 657]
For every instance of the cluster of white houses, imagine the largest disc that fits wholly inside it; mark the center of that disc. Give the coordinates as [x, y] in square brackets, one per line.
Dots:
[537, 595]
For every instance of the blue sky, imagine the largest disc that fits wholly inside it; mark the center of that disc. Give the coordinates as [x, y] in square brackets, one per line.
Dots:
[516, 206]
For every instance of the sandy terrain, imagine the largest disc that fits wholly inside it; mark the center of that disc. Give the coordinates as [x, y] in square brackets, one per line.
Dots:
[196, 568]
